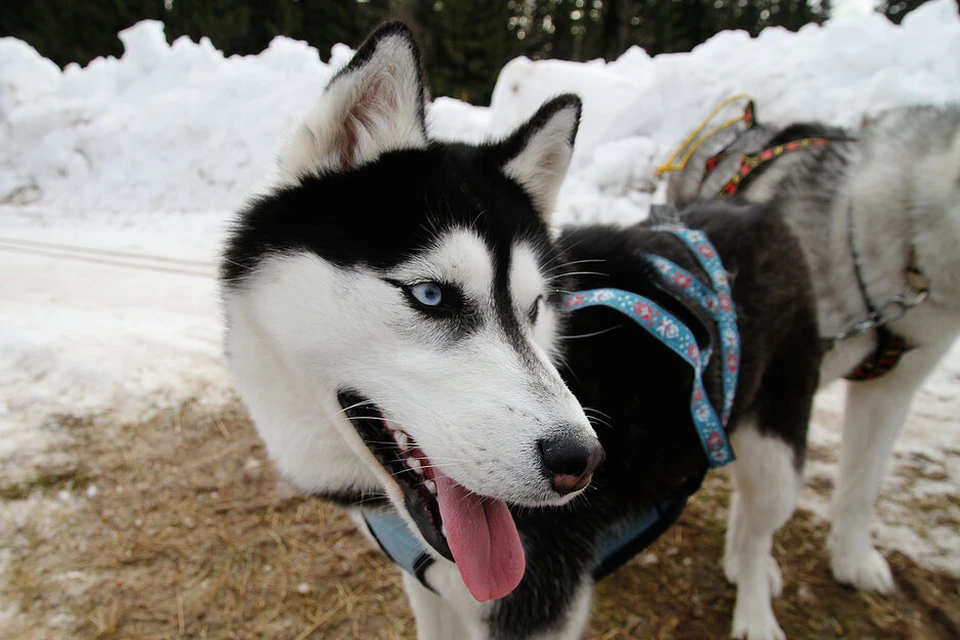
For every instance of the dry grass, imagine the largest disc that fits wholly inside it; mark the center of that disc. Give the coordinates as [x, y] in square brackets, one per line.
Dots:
[178, 528]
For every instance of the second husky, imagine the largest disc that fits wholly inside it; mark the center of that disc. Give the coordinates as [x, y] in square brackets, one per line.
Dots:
[878, 214]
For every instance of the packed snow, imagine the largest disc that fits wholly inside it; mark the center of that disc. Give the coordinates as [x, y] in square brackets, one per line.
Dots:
[117, 180]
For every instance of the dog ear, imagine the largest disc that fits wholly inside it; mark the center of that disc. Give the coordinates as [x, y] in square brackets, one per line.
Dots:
[373, 105]
[538, 153]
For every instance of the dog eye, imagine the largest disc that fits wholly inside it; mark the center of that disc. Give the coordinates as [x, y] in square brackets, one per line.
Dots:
[428, 294]
[534, 311]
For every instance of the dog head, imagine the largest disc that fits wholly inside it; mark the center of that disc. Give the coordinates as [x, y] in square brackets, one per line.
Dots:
[392, 316]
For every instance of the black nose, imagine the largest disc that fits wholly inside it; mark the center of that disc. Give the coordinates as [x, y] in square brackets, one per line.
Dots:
[569, 462]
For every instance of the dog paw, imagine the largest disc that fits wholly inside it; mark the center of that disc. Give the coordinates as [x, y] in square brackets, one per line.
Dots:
[865, 572]
[756, 624]
[774, 576]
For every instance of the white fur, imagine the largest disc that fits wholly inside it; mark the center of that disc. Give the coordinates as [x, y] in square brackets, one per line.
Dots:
[461, 257]
[542, 164]
[455, 614]
[875, 414]
[935, 200]
[766, 485]
[307, 327]
[905, 196]
[527, 284]
[364, 112]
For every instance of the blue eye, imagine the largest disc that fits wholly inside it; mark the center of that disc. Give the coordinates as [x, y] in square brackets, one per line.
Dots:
[427, 293]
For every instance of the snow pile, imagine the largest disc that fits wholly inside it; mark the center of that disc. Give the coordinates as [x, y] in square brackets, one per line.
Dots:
[181, 128]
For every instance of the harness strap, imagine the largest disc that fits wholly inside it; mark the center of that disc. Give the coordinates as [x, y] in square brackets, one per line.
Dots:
[667, 328]
[395, 539]
[693, 141]
[890, 349]
[890, 346]
[749, 164]
[714, 161]
[623, 543]
[718, 305]
[614, 550]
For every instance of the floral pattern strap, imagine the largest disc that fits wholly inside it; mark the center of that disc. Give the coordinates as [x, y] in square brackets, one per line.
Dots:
[677, 336]
[717, 303]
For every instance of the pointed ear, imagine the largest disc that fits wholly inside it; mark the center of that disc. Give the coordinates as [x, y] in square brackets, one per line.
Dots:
[373, 105]
[538, 154]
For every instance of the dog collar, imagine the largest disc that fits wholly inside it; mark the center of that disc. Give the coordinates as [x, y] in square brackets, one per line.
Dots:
[663, 325]
[615, 549]
[396, 540]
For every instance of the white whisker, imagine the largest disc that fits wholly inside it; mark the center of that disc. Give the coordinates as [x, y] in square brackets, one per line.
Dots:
[590, 335]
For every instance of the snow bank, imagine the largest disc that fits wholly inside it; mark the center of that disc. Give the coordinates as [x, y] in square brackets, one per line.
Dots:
[181, 128]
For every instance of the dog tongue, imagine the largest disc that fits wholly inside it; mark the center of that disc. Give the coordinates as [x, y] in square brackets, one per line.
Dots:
[483, 540]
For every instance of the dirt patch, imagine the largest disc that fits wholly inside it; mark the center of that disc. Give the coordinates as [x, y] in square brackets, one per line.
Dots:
[178, 528]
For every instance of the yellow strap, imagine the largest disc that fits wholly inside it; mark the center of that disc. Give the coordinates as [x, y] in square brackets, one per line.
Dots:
[694, 140]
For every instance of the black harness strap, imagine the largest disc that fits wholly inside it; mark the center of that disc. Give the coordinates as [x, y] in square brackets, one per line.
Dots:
[890, 346]
[618, 548]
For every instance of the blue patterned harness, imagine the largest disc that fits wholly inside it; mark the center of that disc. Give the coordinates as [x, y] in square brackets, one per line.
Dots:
[663, 325]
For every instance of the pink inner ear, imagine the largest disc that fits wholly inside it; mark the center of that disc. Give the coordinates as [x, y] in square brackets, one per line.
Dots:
[379, 97]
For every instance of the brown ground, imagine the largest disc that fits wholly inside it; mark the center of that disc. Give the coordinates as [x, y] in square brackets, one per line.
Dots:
[177, 528]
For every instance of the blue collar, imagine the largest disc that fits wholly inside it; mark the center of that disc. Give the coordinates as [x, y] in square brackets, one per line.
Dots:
[663, 325]
[393, 535]
[614, 550]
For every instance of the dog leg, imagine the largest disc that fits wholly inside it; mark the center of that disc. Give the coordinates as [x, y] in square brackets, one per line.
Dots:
[766, 485]
[437, 617]
[734, 549]
[875, 414]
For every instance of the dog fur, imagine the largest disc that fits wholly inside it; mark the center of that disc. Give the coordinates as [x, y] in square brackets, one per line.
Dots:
[391, 289]
[894, 187]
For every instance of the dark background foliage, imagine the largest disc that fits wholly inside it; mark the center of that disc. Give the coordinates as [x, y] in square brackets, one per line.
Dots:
[466, 42]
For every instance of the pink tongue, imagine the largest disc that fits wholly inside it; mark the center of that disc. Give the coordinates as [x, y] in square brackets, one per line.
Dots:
[483, 540]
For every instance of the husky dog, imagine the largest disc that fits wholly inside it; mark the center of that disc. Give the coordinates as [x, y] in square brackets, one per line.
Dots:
[394, 325]
[878, 215]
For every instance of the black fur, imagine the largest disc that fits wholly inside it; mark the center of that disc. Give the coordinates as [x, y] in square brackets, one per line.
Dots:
[801, 130]
[651, 444]
[424, 194]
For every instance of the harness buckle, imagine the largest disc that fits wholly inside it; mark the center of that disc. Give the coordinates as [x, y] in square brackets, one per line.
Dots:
[899, 306]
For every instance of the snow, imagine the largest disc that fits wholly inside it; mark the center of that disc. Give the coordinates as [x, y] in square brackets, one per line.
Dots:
[117, 181]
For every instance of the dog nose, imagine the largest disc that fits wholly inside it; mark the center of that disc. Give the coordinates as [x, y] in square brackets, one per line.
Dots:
[568, 462]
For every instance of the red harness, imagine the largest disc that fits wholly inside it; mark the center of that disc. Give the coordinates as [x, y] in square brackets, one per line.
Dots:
[749, 164]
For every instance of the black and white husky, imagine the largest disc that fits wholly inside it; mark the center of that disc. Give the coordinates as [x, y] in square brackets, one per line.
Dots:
[878, 214]
[395, 327]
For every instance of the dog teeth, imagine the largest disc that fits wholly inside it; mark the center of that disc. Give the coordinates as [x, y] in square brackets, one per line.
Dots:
[415, 464]
[402, 440]
[443, 529]
[431, 486]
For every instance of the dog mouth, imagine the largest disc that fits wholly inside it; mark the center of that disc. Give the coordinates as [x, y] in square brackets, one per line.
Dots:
[475, 532]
